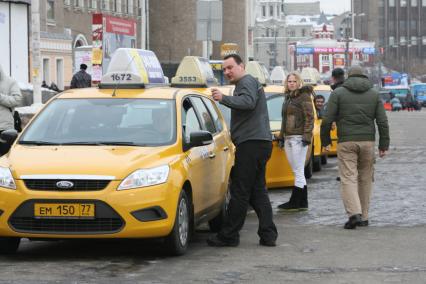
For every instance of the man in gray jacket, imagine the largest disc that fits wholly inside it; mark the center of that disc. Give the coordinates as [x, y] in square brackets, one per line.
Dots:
[356, 107]
[252, 137]
[10, 97]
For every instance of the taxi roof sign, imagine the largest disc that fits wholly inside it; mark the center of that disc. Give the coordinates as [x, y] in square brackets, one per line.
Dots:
[130, 66]
[194, 71]
[259, 71]
[278, 75]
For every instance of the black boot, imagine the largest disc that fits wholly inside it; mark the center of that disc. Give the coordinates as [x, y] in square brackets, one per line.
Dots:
[353, 222]
[304, 201]
[294, 203]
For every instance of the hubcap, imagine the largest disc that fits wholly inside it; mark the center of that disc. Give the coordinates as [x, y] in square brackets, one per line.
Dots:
[183, 222]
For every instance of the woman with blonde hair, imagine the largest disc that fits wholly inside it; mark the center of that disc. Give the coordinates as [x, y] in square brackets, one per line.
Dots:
[296, 133]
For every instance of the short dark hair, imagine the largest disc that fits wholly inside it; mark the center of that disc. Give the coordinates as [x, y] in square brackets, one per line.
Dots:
[319, 97]
[83, 66]
[338, 73]
[236, 57]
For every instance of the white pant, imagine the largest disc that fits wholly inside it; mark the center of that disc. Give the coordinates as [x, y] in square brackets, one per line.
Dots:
[296, 155]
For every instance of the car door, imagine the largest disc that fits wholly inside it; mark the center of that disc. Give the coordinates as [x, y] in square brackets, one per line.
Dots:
[198, 158]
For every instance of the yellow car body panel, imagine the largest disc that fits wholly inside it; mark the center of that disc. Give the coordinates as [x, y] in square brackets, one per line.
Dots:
[207, 177]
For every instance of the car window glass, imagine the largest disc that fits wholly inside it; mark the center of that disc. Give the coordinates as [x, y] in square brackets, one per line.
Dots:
[206, 119]
[214, 114]
[275, 104]
[189, 119]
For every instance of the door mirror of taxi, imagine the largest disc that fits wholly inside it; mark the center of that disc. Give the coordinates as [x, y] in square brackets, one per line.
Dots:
[9, 136]
[200, 138]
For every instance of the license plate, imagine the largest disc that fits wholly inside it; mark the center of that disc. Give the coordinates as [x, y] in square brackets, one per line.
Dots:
[75, 210]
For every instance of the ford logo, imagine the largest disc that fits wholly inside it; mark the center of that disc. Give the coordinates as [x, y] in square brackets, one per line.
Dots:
[64, 184]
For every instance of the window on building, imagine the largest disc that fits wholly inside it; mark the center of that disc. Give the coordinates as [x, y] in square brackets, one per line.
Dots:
[414, 40]
[60, 73]
[267, 32]
[106, 5]
[93, 4]
[391, 3]
[424, 3]
[67, 2]
[424, 40]
[116, 6]
[403, 3]
[402, 40]
[46, 70]
[381, 3]
[282, 8]
[325, 57]
[271, 11]
[303, 32]
[130, 7]
[365, 57]
[79, 3]
[391, 40]
[413, 3]
[50, 10]
[263, 11]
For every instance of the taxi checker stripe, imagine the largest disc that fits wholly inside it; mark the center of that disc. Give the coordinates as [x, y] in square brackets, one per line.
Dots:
[140, 65]
[68, 177]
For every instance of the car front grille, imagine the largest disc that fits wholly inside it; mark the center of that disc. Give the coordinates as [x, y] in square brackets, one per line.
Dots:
[79, 185]
[106, 220]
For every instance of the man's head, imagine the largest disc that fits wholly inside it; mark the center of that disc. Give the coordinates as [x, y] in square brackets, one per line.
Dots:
[337, 75]
[83, 67]
[233, 68]
[319, 101]
[356, 71]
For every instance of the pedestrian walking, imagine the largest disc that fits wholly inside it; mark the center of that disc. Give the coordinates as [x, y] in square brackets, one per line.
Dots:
[337, 78]
[396, 104]
[81, 79]
[296, 132]
[252, 137]
[356, 106]
[10, 97]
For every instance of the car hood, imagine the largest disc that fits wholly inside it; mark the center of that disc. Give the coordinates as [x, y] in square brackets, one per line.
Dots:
[116, 161]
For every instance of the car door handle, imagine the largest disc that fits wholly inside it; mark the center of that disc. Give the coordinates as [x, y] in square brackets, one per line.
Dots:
[225, 148]
[212, 155]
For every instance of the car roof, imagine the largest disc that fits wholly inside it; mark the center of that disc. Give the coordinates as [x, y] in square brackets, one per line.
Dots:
[154, 93]
[322, 88]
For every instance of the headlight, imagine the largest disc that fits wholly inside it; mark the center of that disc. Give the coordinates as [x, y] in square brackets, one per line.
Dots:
[6, 179]
[145, 177]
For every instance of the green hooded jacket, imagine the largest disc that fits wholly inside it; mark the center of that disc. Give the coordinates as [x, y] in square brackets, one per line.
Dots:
[356, 107]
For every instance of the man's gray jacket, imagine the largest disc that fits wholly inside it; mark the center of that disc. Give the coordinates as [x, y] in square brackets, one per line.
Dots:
[10, 97]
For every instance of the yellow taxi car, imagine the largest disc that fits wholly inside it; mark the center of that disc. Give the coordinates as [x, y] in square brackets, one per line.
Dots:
[278, 170]
[325, 91]
[125, 160]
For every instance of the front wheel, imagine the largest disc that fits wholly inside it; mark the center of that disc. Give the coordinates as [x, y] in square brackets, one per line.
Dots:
[9, 245]
[177, 241]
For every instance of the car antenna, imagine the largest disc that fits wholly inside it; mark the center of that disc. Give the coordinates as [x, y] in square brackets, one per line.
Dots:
[120, 78]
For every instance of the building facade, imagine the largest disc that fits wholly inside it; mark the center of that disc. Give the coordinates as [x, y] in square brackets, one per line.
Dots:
[399, 29]
[66, 29]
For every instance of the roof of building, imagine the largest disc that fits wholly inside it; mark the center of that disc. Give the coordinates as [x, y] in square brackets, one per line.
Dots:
[28, 2]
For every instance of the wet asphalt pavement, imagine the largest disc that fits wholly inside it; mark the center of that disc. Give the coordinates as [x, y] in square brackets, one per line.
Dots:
[312, 246]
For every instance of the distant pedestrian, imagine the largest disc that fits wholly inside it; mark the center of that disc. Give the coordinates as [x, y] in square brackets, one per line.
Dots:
[409, 102]
[296, 131]
[81, 79]
[356, 106]
[337, 78]
[396, 104]
[252, 137]
[319, 101]
[10, 97]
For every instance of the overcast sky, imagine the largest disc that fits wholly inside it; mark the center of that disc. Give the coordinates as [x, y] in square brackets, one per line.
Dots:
[329, 6]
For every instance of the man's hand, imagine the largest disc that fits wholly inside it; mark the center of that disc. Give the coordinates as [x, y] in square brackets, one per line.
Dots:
[382, 153]
[216, 94]
[327, 148]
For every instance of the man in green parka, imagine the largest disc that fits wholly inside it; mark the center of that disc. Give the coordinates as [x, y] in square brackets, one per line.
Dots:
[356, 108]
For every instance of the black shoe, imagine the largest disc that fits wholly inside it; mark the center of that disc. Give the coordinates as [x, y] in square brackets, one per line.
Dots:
[363, 223]
[304, 200]
[294, 203]
[353, 222]
[214, 241]
[266, 243]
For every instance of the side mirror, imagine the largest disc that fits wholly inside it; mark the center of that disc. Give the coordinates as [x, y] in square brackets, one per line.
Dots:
[200, 138]
[9, 136]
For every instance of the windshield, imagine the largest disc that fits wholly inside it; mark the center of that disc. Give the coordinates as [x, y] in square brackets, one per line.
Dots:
[138, 122]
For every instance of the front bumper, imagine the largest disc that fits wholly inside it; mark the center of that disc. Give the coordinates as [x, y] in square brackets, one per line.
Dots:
[135, 213]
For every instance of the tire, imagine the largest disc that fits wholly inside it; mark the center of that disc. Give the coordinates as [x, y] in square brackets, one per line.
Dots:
[317, 164]
[324, 159]
[309, 168]
[9, 245]
[216, 223]
[178, 239]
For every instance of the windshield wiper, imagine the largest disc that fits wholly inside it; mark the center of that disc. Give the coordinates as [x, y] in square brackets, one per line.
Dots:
[101, 143]
[35, 142]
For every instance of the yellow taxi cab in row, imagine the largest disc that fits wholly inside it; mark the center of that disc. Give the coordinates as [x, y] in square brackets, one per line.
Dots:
[325, 91]
[278, 170]
[130, 159]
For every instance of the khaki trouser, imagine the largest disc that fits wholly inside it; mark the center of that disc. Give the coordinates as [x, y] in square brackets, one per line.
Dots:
[356, 170]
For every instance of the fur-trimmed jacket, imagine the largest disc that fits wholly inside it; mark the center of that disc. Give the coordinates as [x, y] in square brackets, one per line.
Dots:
[298, 114]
